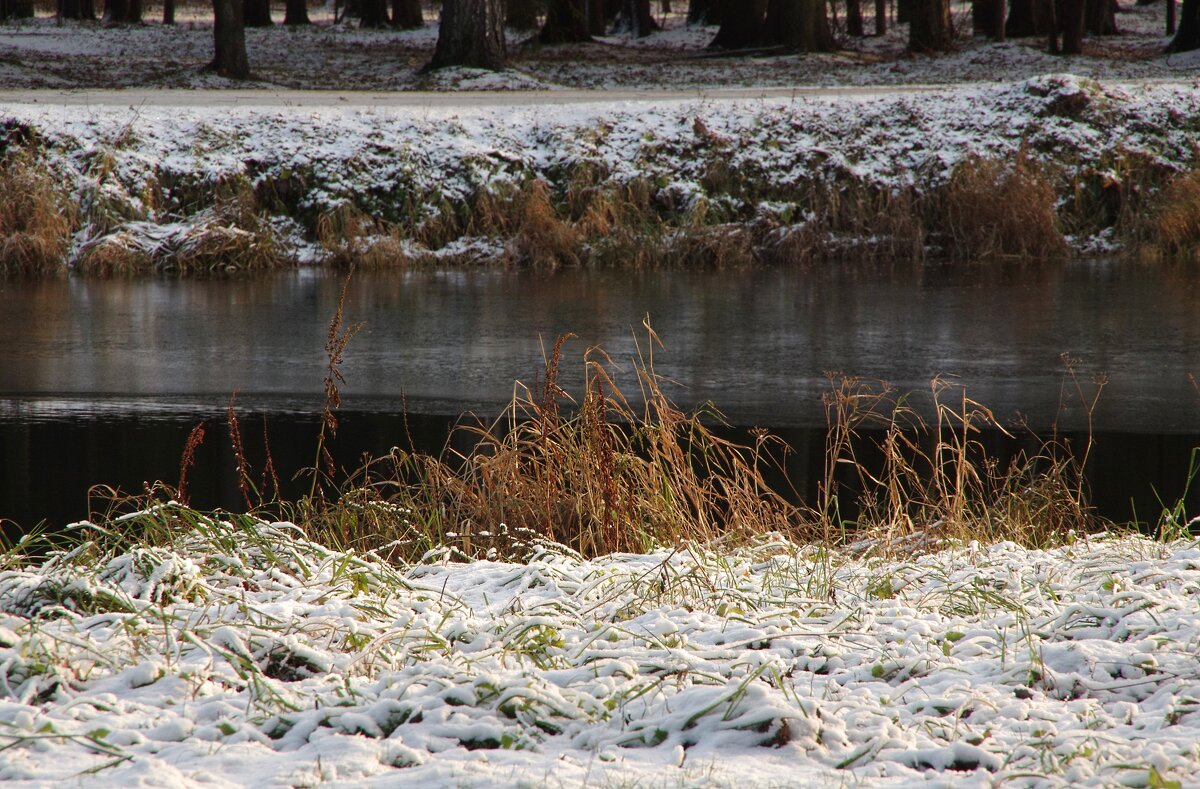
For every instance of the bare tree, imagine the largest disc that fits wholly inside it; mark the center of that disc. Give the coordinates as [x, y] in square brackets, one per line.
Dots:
[471, 34]
[229, 37]
[741, 23]
[522, 14]
[703, 12]
[1069, 18]
[76, 9]
[635, 16]
[407, 14]
[373, 13]
[121, 12]
[854, 18]
[1029, 18]
[987, 18]
[256, 13]
[1187, 37]
[1100, 17]
[568, 21]
[799, 25]
[930, 29]
[295, 12]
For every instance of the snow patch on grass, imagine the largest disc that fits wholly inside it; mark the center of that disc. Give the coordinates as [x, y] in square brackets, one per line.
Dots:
[712, 161]
[244, 653]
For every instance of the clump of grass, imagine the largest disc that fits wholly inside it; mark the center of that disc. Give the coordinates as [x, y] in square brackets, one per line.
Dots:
[608, 477]
[351, 238]
[36, 217]
[936, 480]
[993, 209]
[207, 247]
[862, 220]
[543, 240]
[1175, 226]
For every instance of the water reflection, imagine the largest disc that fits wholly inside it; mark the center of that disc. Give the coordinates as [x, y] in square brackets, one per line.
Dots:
[757, 343]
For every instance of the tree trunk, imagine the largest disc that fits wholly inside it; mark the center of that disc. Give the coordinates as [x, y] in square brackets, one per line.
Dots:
[931, 29]
[1028, 18]
[1187, 37]
[1069, 15]
[741, 24]
[854, 19]
[566, 22]
[521, 14]
[987, 18]
[635, 16]
[372, 14]
[596, 12]
[471, 34]
[904, 11]
[881, 11]
[1101, 17]
[121, 12]
[800, 25]
[407, 14]
[703, 12]
[256, 13]
[229, 35]
[295, 13]
[70, 9]
[168, 12]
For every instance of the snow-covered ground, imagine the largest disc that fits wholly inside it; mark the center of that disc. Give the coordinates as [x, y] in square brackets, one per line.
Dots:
[252, 658]
[156, 164]
[41, 53]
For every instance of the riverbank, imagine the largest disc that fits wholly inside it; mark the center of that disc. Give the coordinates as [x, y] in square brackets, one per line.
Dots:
[1044, 167]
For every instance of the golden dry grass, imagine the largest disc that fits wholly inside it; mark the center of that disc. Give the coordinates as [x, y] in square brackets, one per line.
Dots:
[994, 209]
[351, 238]
[36, 216]
[1174, 227]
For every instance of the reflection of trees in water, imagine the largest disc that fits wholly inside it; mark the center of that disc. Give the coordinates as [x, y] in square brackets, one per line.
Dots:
[754, 342]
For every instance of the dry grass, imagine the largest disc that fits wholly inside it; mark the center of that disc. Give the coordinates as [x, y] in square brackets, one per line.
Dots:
[1174, 228]
[351, 238]
[231, 236]
[543, 240]
[36, 216]
[936, 480]
[599, 475]
[606, 478]
[992, 209]
[204, 248]
[858, 220]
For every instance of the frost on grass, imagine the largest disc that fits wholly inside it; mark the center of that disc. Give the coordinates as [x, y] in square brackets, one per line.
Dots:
[699, 162]
[246, 654]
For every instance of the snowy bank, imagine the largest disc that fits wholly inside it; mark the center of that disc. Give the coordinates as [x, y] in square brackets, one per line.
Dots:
[802, 177]
[246, 656]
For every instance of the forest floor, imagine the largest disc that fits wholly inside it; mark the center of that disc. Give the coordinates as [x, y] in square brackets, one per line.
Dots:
[44, 54]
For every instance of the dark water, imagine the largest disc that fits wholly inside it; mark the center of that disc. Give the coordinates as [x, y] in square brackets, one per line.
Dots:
[101, 381]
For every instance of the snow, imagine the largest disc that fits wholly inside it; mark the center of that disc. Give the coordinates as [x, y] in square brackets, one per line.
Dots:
[41, 53]
[244, 656]
[403, 161]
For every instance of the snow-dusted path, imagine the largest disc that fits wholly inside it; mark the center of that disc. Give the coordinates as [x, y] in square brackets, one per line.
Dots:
[260, 98]
[155, 97]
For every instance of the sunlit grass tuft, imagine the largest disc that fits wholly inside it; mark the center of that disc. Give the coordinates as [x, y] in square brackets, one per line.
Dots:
[36, 215]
